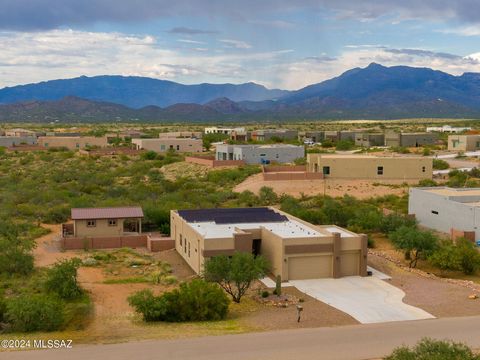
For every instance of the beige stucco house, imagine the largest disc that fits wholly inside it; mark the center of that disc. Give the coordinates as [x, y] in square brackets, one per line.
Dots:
[463, 142]
[295, 248]
[72, 142]
[370, 167]
[183, 145]
[111, 221]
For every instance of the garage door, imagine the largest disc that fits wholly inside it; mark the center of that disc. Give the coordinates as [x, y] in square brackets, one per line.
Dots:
[309, 267]
[349, 263]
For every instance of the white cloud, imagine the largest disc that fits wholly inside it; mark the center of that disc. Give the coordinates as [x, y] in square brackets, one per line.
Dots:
[238, 44]
[188, 41]
[472, 30]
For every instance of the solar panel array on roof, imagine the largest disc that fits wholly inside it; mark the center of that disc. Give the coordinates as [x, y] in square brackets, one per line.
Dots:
[231, 216]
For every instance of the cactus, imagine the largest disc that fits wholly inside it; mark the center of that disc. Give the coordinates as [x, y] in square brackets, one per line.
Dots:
[278, 285]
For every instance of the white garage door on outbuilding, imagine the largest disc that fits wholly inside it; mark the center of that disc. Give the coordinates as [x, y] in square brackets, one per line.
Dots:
[310, 267]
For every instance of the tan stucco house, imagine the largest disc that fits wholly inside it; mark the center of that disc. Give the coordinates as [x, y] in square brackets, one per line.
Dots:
[72, 142]
[370, 167]
[182, 145]
[295, 248]
[463, 142]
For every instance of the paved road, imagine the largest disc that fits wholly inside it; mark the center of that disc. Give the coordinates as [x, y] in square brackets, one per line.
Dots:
[348, 342]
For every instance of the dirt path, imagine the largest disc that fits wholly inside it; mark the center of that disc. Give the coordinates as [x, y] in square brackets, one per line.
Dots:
[48, 250]
[361, 189]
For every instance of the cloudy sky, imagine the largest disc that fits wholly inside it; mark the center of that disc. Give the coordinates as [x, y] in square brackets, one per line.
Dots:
[278, 43]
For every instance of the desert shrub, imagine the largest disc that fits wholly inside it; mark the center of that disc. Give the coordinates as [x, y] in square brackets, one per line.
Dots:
[428, 349]
[344, 145]
[29, 313]
[194, 301]
[15, 250]
[426, 151]
[149, 155]
[267, 196]
[392, 222]
[415, 243]
[427, 183]
[265, 294]
[469, 256]
[327, 143]
[62, 279]
[445, 257]
[439, 164]
[56, 215]
[3, 308]
[235, 274]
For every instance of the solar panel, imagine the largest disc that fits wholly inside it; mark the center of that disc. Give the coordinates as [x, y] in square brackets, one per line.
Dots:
[235, 215]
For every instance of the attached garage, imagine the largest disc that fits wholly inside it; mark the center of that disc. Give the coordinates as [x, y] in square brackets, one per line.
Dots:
[350, 263]
[310, 267]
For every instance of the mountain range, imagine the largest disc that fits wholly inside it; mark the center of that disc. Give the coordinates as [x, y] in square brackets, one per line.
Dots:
[374, 92]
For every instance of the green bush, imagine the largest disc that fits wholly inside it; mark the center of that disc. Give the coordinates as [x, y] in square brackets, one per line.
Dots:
[15, 250]
[392, 222]
[265, 294]
[3, 308]
[149, 155]
[267, 196]
[236, 273]
[415, 243]
[62, 279]
[428, 349]
[29, 313]
[427, 183]
[469, 256]
[194, 301]
[344, 145]
[439, 164]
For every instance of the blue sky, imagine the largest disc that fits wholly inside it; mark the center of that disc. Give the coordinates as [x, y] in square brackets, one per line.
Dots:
[277, 43]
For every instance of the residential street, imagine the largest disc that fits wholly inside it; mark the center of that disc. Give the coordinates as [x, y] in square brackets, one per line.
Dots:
[348, 342]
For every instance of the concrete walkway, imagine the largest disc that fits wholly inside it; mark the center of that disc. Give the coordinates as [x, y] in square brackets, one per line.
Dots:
[367, 299]
[356, 342]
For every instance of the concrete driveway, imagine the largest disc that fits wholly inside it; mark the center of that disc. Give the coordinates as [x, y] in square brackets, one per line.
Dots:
[367, 299]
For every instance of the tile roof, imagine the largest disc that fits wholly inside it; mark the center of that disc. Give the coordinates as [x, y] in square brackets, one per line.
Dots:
[107, 213]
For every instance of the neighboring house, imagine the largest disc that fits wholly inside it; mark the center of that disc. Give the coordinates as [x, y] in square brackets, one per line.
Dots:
[463, 142]
[394, 139]
[9, 141]
[63, 134]
[370, 167]
[72, 142]
[450, 210]
[271, 134]
[243, 136]
[181, 134]
[20, 133]
[109, 221]
[369, 139]
[347, 135]
[110, 227]
[448, 129]
[294, 248]
[182, 145]
[313, 136]
[332, 135]
[260, 154]
[223, 130]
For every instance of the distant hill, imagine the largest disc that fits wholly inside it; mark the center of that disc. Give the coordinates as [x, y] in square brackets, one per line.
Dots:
[135, 92]
[374, 92]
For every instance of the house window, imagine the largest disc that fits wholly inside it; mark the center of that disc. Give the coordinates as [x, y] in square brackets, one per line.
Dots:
[326, 170]
[77, 145]
[455, 143]
[91, 223]
[171, 147]
[188, 249]
[277, 156]
[180, 239]
[112, 222]
[380, 170]
[434, 212]
[46, 144]
[263, 154]
[162, 147]
[423, 168]
[478, 144]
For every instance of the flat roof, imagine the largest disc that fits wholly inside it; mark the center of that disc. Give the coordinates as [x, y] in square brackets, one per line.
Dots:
[448, 191]
[106, 213]
[223, 223]
[285, 229]
[363, 156]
